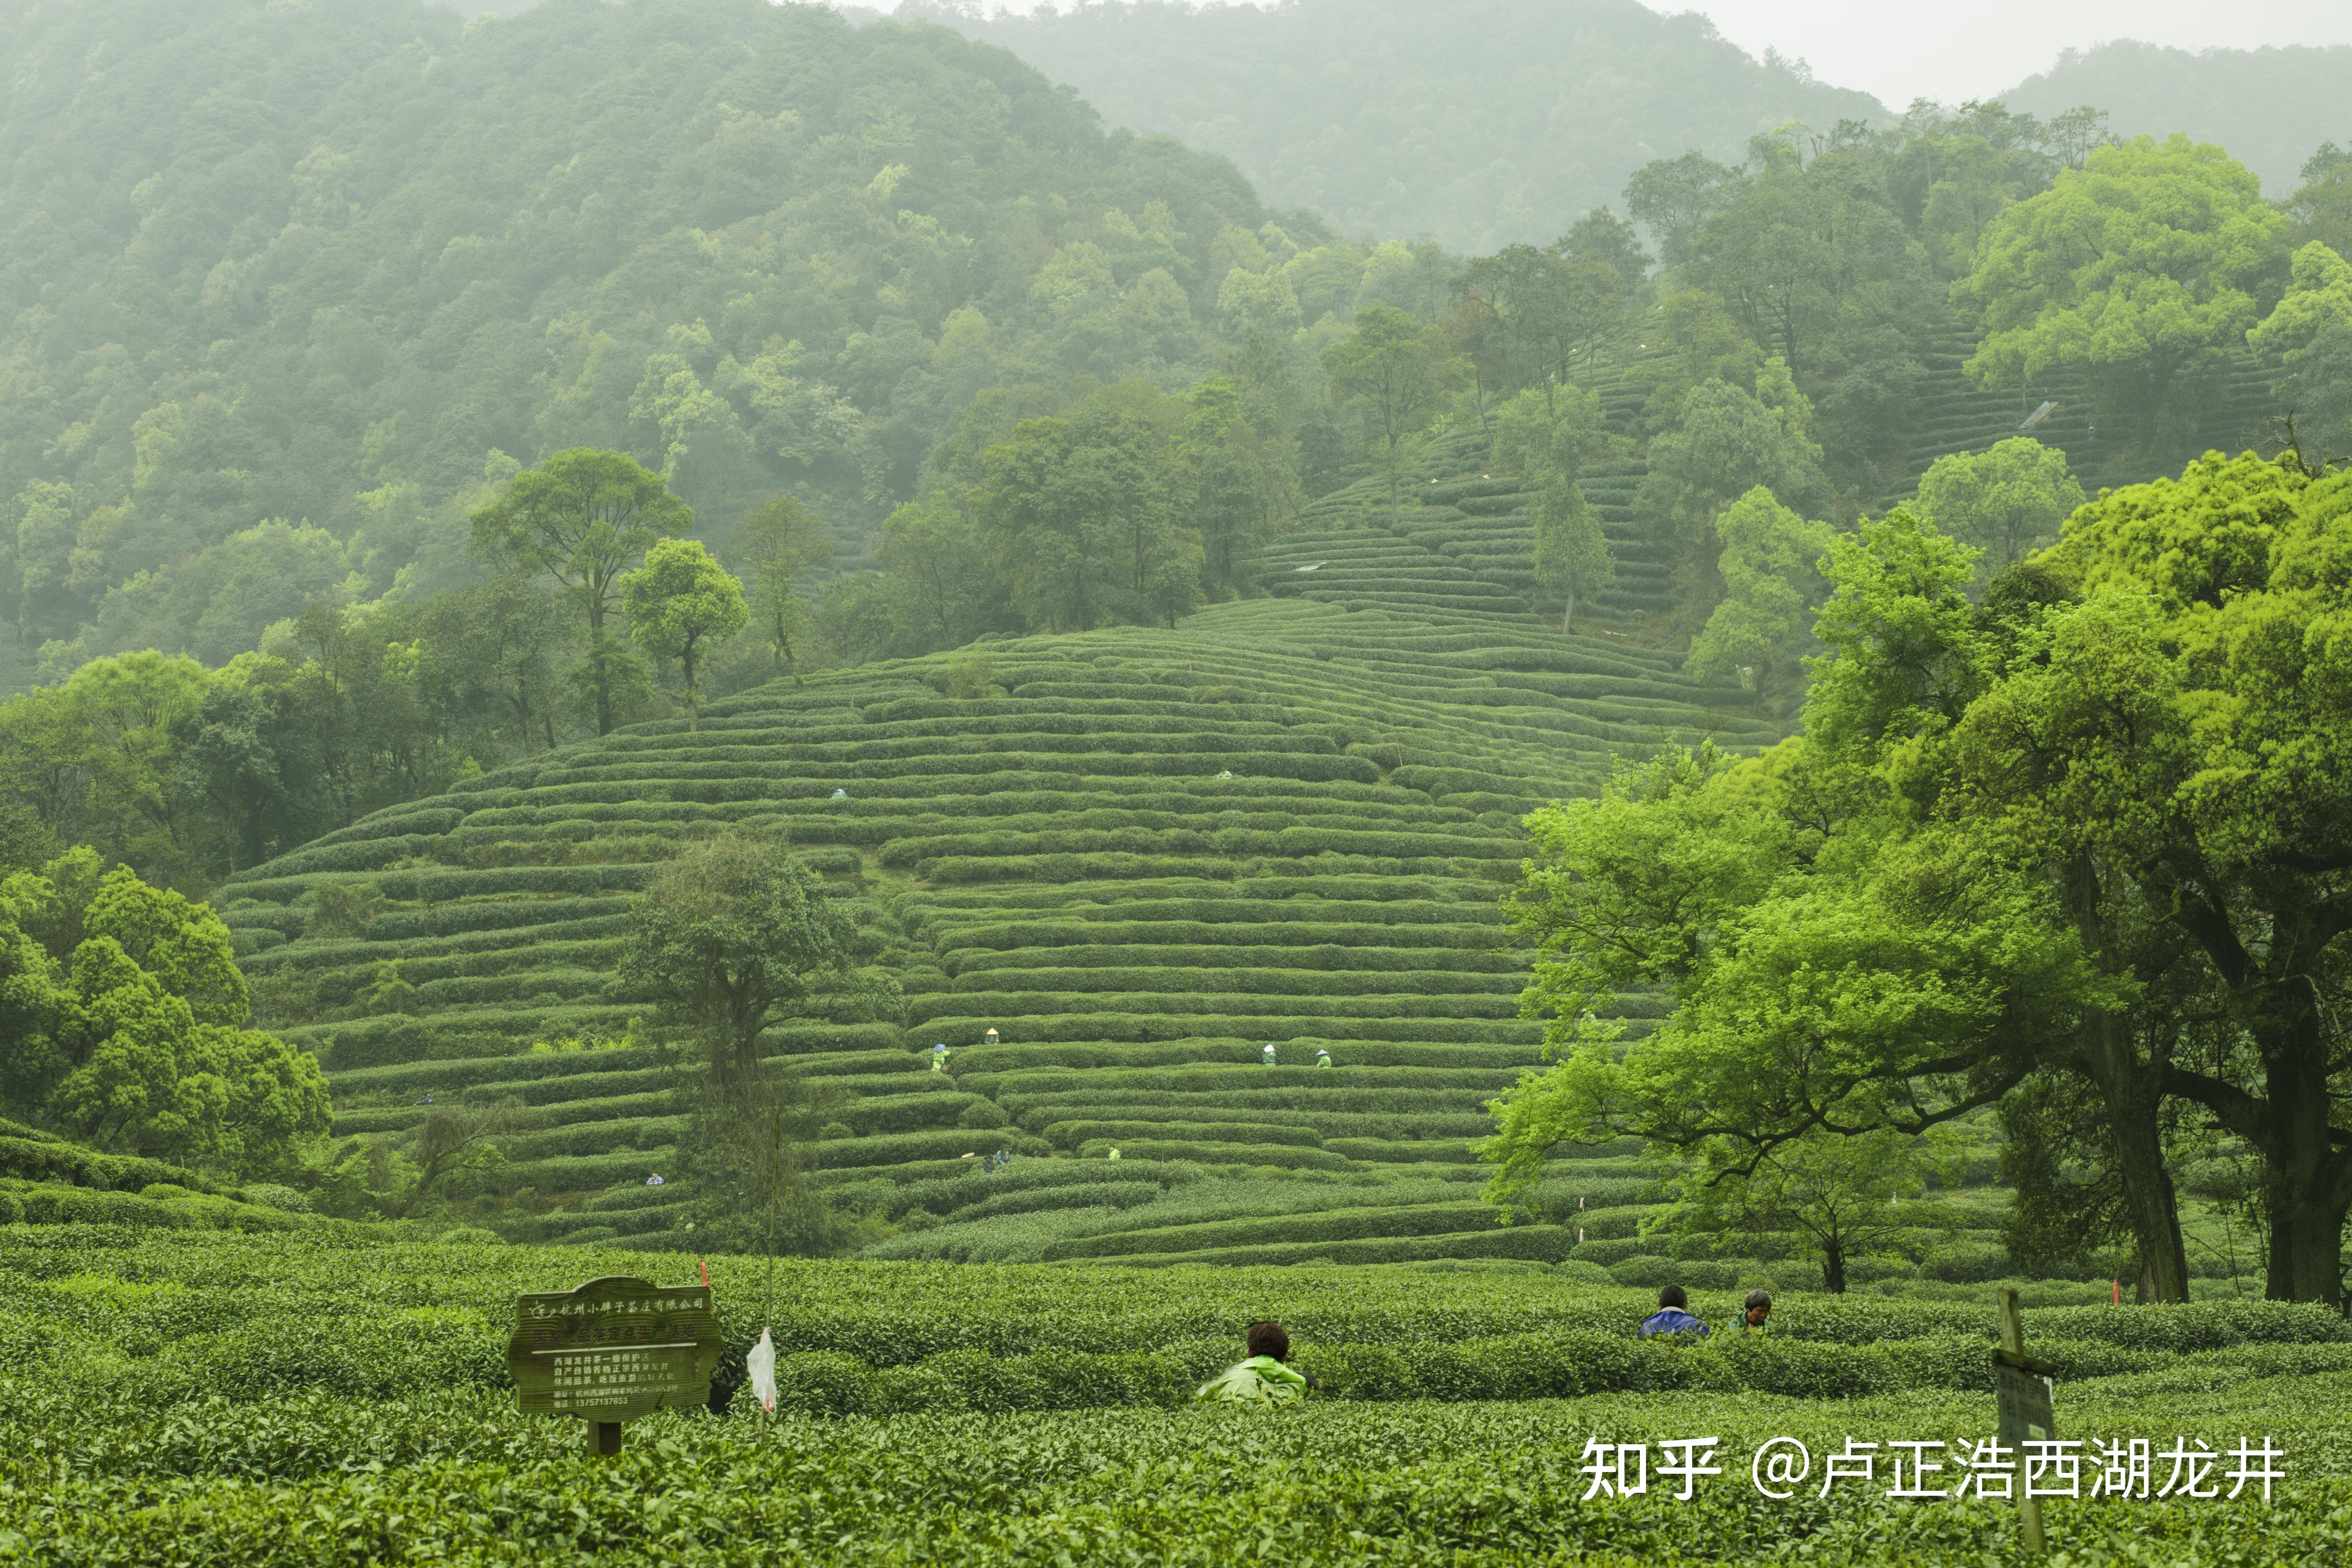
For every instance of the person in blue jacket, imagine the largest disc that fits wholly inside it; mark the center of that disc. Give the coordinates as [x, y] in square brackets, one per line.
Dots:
[1673, 1316]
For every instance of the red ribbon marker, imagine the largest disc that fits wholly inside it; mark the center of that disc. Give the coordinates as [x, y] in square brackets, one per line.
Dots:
[706, 1272]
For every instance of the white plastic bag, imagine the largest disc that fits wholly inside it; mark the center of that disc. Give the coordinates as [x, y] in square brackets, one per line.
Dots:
[762, 1365]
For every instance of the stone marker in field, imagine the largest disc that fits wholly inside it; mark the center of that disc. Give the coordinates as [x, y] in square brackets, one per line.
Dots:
[612, 1350]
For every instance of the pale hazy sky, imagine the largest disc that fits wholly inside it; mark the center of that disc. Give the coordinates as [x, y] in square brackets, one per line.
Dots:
[1958, 49]
[1902, 49]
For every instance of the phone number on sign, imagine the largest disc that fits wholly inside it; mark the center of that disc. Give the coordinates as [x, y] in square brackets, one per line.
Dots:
[1947, 1469]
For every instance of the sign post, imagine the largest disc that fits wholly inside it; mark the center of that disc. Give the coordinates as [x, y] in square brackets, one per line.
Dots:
[2023, 1384]
[612, 1350]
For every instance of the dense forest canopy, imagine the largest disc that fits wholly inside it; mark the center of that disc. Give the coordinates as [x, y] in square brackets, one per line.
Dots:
[1479, 123]
[285, 287]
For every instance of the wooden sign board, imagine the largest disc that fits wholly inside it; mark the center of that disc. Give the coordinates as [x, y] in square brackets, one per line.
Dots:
[612, 1349]
[2024, 1405]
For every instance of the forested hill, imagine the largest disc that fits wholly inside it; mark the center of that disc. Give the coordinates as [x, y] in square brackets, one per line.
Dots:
[1480, 122]
[282, 286]
[2269, 107]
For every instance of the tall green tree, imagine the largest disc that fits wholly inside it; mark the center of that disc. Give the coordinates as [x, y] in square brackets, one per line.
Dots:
[2006, 501]
[679, 603]
[1549, 436]
[1724, 442]
[1772, 583]
[1819, 985]
[1080, 513]
[2158, 752]
[583, 518]
[1911, 664]
[2308, 337]
[1833, 1200]
[2322, 207]
[1571, 553]
[728, 937]
[2080, 828]
[1397, 370]
[1227, 477]
[1674, 199]
[2129, 268]
[1560, 309]
[942, 592]
[779, 545]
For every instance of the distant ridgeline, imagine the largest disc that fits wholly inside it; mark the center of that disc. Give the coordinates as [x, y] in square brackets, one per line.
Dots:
[1140, 856]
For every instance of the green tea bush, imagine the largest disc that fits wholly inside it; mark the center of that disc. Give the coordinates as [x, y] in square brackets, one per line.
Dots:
[41, 1158]
[1330, 1225]
[52, 1206]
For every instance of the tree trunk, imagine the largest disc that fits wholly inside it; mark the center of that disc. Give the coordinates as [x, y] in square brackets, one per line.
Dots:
[1833, 1269]
[2305, 1184]
[2154, 1211]
[2274, 993]
[2133, 1092]
[599, 681]
[1568, 616]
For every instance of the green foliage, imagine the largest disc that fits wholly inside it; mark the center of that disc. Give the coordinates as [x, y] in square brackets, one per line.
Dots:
[1772, 579]
[1549, 437]
[1080, 516]
[779, 545]
[680, 602]
[134, 1036]
[726, 937]
[1726, 442]
[2309, 333]
[271, 361]
[1984, 835]
[1841, 1196]
[1545, 318]
[2129, 267]
[583, 518]
[1396, 371]
[2007, 502]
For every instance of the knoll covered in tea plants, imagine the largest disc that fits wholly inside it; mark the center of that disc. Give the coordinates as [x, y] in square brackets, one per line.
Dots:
[236, 1400]
[1139, 855]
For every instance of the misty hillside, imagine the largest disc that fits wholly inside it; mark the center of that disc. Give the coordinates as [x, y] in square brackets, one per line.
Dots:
[281, 289]
[2269, 107]
[1479, 123]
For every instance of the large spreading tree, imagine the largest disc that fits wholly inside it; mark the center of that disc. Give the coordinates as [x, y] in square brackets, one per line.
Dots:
[2129, 268]
[123, 1021]
[2092, 828]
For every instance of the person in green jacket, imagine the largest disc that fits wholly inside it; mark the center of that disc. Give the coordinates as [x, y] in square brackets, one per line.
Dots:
[1263, 1382]
[1752, 1313]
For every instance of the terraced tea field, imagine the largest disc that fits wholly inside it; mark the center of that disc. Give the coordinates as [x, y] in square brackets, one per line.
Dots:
[1145, 858]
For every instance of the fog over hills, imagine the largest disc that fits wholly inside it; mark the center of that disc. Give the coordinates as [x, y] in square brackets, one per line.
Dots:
[1479, 123]
[2269, 107]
